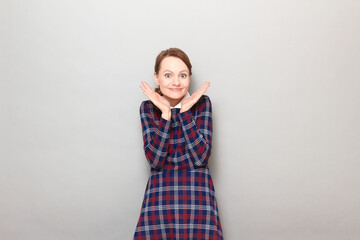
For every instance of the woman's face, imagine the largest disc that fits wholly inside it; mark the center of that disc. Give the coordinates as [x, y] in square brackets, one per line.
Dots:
[173, 79]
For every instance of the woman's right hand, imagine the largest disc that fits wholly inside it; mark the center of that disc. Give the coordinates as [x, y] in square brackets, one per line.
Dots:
[157, 100]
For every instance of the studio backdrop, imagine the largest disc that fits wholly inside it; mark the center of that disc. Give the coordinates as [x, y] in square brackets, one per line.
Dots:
[285, 95]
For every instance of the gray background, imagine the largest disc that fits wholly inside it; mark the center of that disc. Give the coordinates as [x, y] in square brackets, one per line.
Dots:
[285, 92]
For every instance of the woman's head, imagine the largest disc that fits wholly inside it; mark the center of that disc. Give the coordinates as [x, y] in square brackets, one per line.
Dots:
[172, 52]
[172, 74]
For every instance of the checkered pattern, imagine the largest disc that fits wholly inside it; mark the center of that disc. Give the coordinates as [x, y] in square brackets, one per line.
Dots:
[179, 201]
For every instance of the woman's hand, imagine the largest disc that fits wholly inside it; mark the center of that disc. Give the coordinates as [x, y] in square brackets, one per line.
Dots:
[157, 100]
[187, 103]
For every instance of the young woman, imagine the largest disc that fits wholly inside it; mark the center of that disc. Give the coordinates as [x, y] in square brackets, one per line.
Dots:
[179, 200]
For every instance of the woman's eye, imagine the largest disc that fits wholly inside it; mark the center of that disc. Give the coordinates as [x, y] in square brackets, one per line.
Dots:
[183, 75]
[167, 75]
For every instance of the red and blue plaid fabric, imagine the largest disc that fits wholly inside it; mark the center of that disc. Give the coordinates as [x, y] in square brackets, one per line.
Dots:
[179, 201]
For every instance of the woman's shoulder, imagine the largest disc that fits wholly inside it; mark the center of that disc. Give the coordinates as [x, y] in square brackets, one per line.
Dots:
[203, 104]
[145, 103]
[148, 106]
[204, 100]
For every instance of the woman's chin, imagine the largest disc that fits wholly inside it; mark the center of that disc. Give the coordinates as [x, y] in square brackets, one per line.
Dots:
[175, 96]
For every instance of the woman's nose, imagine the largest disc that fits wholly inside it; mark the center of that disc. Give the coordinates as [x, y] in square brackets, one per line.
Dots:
[176, 81]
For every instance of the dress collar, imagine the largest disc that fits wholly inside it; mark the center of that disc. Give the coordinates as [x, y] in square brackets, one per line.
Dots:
[179, 104]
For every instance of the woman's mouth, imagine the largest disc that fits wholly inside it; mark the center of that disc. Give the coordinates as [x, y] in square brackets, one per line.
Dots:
[175, 89]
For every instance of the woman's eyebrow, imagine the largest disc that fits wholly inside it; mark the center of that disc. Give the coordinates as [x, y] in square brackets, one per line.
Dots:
[180, 71]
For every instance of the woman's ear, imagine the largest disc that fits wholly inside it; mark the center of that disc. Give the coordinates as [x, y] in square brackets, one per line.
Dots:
[156, 78]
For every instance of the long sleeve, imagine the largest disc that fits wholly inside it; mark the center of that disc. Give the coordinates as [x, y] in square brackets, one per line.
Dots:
[198, 131]
[156, 137]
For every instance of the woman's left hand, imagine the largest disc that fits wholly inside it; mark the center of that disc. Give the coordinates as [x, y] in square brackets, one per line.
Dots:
[187, 103]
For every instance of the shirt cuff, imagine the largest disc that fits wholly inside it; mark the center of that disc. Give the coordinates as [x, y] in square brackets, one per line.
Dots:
[164, 125]
[186, 117]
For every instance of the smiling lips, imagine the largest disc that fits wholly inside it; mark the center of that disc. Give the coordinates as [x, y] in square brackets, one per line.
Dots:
[175, 89]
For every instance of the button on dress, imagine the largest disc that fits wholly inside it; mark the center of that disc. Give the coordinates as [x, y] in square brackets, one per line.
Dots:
[179, 201]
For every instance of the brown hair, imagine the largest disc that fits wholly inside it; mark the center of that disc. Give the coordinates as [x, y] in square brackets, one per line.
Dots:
[173, 52]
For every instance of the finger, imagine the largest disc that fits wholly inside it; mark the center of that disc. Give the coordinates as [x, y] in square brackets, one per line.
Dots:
[154, 97]
[142, 87]
[204, 87]
[147, 91]
[146, 94]
[147, 86]
[197, 95]
[150, 95]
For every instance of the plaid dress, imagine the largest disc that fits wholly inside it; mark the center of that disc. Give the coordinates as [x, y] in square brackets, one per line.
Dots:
[179, 201]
